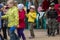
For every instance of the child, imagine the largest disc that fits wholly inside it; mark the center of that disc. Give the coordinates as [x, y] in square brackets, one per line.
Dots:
[31, 19]
[12, 15]
[1, 21]
[57, 7]
[52, 16]
[21, 25]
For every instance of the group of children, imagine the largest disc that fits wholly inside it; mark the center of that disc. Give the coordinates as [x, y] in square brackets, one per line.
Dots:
[16, 15]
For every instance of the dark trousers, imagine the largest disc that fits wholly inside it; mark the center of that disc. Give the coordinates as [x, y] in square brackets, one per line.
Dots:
[52, 26]
[58, 28]
[4, 29]
[4, 32]
[1, 38]
[21, 33]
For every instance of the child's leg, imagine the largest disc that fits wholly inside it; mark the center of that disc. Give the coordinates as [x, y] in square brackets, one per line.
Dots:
[53, 26]
[31, 30]
[22, 34]
[1, 38]
[58, 25]
[49, 27]
[4, 32]
[19, 32]
[12, 34]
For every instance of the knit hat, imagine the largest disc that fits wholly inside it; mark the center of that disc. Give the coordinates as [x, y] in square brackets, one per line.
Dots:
[20, 6]
[32, 6]
[1, 6]
[52, 4]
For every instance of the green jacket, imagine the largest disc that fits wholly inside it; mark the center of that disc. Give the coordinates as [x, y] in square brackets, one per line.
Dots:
[12, 15]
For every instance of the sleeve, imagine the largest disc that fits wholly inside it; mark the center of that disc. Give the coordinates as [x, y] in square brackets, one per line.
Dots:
[27, 15]
[56, 15]
[16, 17]
[5, 16]
[33, 15]
[47, 14]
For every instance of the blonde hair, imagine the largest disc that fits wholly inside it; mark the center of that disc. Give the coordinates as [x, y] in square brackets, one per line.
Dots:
[12, 2]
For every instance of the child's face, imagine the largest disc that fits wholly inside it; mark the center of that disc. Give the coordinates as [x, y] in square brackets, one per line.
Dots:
[32, 10]
[10, 4]
[20, 10]
[52, 7]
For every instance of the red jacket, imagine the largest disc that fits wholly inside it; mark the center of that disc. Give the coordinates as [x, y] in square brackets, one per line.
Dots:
[58, 11]
[45, 5]
[21, 19]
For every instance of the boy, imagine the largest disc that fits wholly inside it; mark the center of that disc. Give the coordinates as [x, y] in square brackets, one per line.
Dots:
[52, 15]
[31, 19]
[1, 21]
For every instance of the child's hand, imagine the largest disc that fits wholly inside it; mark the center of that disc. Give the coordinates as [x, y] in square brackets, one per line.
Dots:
[18, 26]
[26, 14]
[49, 7]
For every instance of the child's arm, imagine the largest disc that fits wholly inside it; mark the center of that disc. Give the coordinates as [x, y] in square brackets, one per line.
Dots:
[27, 15]
[5, 16]
[33, 15]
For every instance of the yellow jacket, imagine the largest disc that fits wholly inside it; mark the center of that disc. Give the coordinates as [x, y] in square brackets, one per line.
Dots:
[31, 16]
[12, 15]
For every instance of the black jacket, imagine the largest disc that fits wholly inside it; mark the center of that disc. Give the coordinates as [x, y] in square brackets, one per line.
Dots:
[52, 14]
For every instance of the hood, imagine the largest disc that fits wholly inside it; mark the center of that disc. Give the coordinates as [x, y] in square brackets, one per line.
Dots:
[57, 6]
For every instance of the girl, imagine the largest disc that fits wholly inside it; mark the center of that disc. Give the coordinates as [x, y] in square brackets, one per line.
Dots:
[12, 15]
[21, 25]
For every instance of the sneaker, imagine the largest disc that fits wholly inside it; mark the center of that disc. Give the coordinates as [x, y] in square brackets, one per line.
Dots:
[31, 37]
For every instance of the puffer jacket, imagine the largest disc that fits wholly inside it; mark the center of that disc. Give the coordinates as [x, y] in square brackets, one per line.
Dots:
[22, 19]
[12, 15]
[31, 16]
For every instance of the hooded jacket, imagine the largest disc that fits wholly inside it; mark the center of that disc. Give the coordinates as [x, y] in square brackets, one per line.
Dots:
[58, 11]
[12, 15]
[31, 16]
[22, 19]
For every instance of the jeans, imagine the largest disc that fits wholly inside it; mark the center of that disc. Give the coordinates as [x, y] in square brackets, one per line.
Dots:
[12, 34]
[21, 34]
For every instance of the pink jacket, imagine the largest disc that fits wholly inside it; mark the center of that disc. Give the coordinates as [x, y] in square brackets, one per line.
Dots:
[39, 9]
[21, 19]
[58, 11]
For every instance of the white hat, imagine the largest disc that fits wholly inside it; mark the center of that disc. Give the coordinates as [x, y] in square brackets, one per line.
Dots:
[20, 6]
[32, 6]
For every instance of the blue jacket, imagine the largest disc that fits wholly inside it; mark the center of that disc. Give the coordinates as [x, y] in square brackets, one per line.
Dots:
[1, 20]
